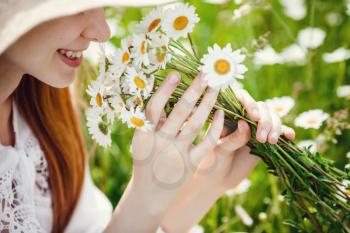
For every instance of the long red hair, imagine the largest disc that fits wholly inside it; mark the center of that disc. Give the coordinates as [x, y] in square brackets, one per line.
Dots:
[50, 114]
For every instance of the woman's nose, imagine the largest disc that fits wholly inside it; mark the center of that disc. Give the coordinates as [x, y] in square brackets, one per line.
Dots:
[97, 28]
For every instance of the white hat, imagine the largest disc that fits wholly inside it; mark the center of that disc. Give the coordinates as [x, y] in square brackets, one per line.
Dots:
[19, 16]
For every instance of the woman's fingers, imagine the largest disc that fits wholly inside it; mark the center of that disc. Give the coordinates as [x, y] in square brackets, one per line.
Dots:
[198, 118]
[184, 106]
[156, 105]
[288, 132]
[210, 140]
[248, 103]
[235, 140]
[276, 129]
[264, 124]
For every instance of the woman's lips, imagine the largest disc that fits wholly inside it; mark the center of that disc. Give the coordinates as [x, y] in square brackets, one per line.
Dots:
[73, 62]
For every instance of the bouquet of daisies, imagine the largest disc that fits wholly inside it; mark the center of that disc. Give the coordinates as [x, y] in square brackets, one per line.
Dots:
[162, 42]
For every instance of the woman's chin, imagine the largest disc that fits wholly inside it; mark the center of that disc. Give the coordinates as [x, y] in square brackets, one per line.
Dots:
[62, 81]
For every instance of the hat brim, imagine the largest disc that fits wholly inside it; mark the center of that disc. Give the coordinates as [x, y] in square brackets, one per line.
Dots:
[15, 23]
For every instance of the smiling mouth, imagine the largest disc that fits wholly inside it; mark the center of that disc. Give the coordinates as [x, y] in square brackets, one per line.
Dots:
[71, 58]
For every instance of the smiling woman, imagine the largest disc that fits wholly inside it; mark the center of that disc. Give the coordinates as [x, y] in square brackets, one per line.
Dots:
[45, 184]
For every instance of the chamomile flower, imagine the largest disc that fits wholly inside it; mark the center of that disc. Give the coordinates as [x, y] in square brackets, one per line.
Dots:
[97, 128]
[294, 54]
[267, 56]
[135, 101]
[281, 105]
[308, 144]
[241, 188]
[159, 54]
[117, 103]
[179, 21]
[243, 215]
[137, 119]
[121, 59]
[311, 119]
[343, 91]
[140, 51]
[137, 83]
[151, 22]
[345, 188]
[311, 37]
[97, 90]
[337, 55]
[222, 66]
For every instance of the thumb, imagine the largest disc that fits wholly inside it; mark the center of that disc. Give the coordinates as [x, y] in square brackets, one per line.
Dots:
[235, 140]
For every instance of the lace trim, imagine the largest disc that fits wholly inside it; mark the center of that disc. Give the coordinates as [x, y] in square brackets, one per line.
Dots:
[17, 201]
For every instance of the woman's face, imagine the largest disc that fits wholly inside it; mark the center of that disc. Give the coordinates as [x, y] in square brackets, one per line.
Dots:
[51, 51]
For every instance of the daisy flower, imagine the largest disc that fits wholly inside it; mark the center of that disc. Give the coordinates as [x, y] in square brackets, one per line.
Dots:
[137, 83]
[348, 155]
[179, 21]
[151, 22]
[159, 55]
[222, 66]
[135, 101]
[196, 229]
[343, 91]
[241, 188]
[135, 118]
[243, 215]
[121, 59]
[311, 37]
[311, 144]
[281, 105]
[97, 90]
[267, 56]
[117, 103]
[140, 51]
[345, 188]
[311, 119]
[295, 9]
[97, 128]
[337, 55]
[294, 54]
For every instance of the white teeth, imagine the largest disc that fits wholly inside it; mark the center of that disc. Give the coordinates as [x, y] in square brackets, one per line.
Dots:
[70, 54]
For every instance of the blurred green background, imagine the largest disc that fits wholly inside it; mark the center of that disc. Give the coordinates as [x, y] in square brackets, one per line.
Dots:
[312, 85]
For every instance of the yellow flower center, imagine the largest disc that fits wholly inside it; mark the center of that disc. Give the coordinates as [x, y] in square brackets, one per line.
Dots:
[311, 121]
[347, 191]
[125, 57]
[160, 57]
[99, 100]
[143, 47]
[137, 121]
[139, 82]
[121, 104]
[180, 23]
[279, 108]
[153, 25]
[222, 66]
[138, 101]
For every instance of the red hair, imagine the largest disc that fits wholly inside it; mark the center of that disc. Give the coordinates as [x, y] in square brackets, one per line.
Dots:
[50, 114]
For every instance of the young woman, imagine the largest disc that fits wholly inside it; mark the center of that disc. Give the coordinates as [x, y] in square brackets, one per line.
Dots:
[45, 184]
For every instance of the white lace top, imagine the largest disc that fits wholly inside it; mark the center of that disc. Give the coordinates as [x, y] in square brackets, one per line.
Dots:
[25, 199]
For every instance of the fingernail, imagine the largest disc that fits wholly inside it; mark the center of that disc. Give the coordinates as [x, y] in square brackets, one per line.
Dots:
[219, 114]
[263, 134]
[174, 78]
[274, 137]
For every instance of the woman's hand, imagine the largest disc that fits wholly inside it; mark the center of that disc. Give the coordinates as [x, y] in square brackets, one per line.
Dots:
[224, 166]
[165, 159]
